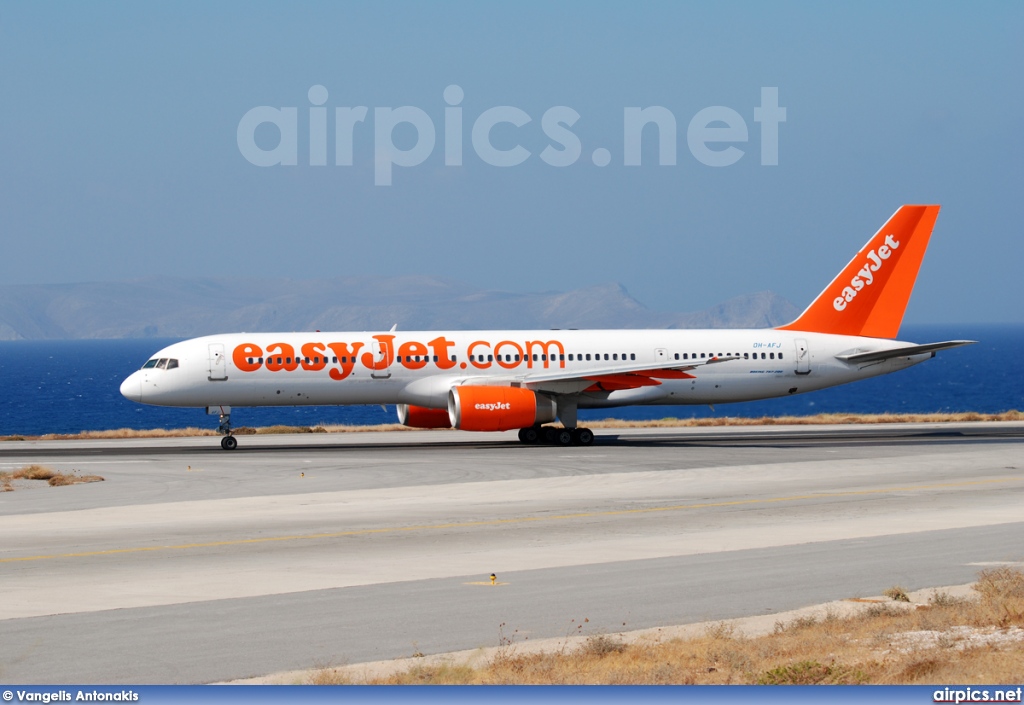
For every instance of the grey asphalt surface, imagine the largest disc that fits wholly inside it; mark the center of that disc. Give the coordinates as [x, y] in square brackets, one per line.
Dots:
[192, 565]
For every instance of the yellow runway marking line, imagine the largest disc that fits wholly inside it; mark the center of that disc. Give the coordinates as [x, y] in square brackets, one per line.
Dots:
[514, 520]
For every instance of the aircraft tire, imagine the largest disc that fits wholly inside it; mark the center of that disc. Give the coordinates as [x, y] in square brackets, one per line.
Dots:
[228, 442]
[583, 437]
[529, 435]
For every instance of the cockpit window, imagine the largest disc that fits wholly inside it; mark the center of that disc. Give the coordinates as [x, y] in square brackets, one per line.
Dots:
[161, 363]
[150, 364]
[172, 363]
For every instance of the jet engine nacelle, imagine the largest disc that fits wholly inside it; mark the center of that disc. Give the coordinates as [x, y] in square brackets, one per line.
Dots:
[498, 408]
[422, 417]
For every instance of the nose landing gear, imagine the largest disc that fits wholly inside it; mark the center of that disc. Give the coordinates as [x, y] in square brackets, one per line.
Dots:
[228, 442]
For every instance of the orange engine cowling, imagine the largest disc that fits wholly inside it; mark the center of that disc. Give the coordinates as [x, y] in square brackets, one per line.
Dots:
[422, 417]
[498, 408]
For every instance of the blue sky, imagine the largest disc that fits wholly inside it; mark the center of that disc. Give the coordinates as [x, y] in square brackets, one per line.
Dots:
[121, 159]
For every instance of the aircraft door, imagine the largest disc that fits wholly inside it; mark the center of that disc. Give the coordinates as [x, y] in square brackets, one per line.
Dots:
[218, 363]
[381, 359]
[803, 357]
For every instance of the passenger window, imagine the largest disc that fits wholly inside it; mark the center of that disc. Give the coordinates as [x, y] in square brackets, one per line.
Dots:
[746, 356]
[763, 356]
[335, 359]
[490, 358]
[780, 356]
[588, 357]
[771, 355]
[606, 356]
[149, 364]
[702, 356]
[632, 356]
[172, 364]
[615, 356]
[260, 359]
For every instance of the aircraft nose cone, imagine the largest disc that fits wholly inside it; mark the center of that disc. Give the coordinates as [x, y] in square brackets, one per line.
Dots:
[131, 388]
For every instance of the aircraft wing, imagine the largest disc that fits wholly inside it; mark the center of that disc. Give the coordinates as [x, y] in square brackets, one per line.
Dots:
[858, 357]
[606, 379]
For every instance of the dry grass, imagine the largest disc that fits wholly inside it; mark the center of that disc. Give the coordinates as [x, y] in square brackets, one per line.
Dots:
[41, 472]
[281, 429]
[819, 419]
[948, 640]
[119, 433]
[897, 593]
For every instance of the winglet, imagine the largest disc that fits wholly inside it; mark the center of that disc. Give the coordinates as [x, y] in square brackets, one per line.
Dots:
[870, 295]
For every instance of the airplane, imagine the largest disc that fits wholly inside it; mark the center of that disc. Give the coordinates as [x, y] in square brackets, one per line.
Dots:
[501, 380]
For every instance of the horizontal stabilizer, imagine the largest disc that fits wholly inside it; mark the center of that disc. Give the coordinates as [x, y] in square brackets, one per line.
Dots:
[856, 357]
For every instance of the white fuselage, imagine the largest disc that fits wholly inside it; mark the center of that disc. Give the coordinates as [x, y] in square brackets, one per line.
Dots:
[419, 368]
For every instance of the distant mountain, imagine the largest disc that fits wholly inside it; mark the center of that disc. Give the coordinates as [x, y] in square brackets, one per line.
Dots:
[190, 307]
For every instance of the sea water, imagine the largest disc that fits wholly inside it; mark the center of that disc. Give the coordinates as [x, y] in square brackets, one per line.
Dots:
[71, 386]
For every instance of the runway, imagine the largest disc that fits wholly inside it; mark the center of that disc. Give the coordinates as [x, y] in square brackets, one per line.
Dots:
[190, 564]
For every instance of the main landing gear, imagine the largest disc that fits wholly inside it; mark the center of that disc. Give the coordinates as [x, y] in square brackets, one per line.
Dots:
[556, 436]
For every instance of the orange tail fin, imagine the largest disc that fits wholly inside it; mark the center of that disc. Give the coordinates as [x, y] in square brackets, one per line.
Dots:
[870, 295]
